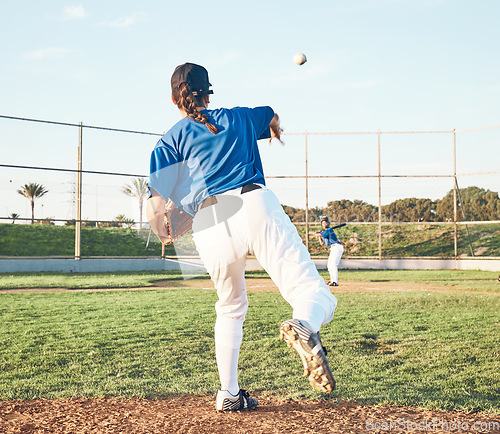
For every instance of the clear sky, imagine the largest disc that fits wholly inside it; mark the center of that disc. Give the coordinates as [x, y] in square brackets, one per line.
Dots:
[393, 65]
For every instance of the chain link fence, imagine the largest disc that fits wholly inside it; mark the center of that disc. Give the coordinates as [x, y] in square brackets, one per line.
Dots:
[354, 177]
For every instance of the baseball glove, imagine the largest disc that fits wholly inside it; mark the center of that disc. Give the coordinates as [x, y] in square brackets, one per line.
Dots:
[178, 222]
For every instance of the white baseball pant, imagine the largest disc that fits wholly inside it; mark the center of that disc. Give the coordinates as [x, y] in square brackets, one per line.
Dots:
[255, 223]
[336, 251]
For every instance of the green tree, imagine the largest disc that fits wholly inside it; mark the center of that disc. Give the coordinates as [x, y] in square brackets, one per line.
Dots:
[14, 216]
[295, 214]
[411, 209]
[477, 204]
[138, 189]
[48, 221]
[32, 191]
[348, 211]
[124, 221]
[316, 213]
[107, 224]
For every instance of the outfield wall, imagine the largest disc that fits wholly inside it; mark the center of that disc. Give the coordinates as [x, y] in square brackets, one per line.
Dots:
[194, 265]
[415, 264]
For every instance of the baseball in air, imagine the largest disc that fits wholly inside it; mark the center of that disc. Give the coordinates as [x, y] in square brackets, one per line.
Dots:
[299, 58]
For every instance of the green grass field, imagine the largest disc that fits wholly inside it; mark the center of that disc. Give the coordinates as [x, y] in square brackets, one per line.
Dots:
[419, 348]
[60, 241]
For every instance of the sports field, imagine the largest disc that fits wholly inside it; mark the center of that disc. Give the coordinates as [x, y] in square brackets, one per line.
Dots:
[134, 352]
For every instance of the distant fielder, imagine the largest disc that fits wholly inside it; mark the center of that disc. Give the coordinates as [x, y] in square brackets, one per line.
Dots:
[327, 237]
[208, 164]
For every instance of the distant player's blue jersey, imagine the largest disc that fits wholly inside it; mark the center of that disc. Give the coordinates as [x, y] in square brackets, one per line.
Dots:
[189, 163]
[329, 237]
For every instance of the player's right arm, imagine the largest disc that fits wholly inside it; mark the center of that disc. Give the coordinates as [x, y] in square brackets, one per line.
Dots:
[319, 236]
[265, 122]
[155, 212]
[275, 128]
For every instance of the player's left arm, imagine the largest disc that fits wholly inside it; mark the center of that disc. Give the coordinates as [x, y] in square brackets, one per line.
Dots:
[155, 212]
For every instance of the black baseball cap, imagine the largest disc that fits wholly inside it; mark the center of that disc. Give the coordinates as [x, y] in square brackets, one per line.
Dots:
[195, 75]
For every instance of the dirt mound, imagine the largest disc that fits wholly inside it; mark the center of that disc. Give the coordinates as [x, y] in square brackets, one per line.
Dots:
[196, 414]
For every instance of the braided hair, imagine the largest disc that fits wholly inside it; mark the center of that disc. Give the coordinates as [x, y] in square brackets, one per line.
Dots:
[187, 101]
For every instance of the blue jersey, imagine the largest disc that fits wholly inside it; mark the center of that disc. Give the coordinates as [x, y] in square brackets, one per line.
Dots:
[329, 237]
[189, 163]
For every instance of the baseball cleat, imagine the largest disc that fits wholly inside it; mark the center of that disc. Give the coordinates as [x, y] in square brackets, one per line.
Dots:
[308, 345]
[229, 402]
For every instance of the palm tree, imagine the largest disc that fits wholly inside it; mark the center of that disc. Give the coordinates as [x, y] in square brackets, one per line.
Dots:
[138, 189]
[14, 216]
[124, 221]
[32, 191]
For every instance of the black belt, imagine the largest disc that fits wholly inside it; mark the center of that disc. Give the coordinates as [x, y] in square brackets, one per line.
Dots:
[211, 200]
[249, 187]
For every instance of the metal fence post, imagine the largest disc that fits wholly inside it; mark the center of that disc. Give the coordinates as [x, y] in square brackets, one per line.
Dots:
[78, 222]
[455, 228]
[379, 201]
[307, 198]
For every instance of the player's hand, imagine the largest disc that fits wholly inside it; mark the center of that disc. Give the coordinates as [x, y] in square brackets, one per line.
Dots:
[276, 129]
[165, 239]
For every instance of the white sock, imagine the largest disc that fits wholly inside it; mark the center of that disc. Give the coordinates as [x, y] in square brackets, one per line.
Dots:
[228, 337]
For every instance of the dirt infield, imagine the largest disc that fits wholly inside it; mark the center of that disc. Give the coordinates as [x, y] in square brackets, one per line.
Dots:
[265, 284]
[196, 414]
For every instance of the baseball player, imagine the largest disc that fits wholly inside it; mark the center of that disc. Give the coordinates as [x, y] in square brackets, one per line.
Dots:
[209, 165]
[328, 238]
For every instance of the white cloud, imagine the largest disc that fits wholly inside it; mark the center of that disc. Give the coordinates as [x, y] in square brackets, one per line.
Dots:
[127, 21]
[73, 13]
[46, 53]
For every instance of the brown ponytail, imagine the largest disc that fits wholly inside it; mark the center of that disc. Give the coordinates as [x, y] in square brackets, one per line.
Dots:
[188, 102]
